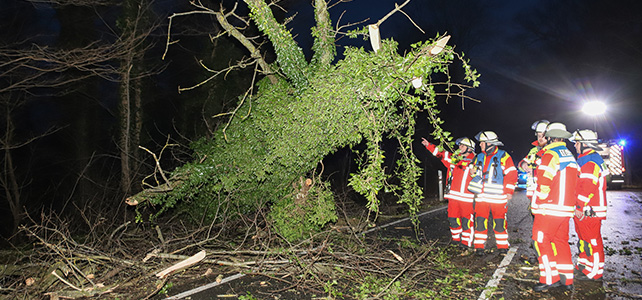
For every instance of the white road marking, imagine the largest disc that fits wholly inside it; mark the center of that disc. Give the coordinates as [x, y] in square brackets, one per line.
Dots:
[205, 287]
[492, 284]
[402, 220]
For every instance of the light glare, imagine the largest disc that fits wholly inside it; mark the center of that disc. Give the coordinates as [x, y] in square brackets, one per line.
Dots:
[594, 108]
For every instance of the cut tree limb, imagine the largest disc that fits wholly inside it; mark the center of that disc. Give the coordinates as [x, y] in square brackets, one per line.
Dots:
[182, 265]
[246, 264]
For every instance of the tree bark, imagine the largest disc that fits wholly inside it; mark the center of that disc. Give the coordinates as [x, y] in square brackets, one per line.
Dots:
[133, 28]
[138, 122]
[254, 52]
[9, 179]
[125, 126]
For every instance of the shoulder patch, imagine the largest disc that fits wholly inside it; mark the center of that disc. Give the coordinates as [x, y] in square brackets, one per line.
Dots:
[566, 152]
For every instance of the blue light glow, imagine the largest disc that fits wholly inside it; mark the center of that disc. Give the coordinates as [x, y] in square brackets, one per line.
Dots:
[622, 143]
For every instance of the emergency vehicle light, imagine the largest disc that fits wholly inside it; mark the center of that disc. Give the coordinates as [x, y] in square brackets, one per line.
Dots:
[622, 143]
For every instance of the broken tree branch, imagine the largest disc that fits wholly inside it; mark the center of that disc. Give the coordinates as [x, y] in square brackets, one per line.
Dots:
[190, 261]
[397, 8]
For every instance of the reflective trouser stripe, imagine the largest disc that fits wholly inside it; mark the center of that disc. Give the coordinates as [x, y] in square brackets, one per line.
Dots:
[550, 236]
[468, 230]
[483, 224]
[590, 246]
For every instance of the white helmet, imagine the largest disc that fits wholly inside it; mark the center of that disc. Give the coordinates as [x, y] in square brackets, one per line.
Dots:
[587, 137]
[466, 142]
[488, 137]
[557, 130]
[540, 126]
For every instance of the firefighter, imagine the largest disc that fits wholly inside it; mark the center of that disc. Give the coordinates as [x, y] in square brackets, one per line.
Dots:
[494, 178]
[530, 162]
[460, 200]
[553, 205]
[590, 208]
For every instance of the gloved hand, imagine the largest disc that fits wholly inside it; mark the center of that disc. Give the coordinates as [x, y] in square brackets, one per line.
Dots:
[425, 142]
[579, 214]
[589, 212]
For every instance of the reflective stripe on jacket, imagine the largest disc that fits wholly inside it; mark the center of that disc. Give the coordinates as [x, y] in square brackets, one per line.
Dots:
[532, 160]
[556, 180]
[494, 173]
[591, 186]
[458, 173]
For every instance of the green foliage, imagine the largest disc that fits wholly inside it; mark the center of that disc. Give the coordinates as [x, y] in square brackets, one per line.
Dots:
[166, 288]
[247, 296]
[373, 285]
[297, 216]
[330, 288]
[323, 33]
[290, 56]
[278, 136]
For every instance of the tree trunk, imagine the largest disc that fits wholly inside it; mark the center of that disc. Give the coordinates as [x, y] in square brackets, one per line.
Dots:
[125, 126]
[9, 181]
[133, 25]
[138, 123]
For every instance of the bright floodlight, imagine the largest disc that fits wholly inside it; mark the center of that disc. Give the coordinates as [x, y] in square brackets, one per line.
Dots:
[594, 108]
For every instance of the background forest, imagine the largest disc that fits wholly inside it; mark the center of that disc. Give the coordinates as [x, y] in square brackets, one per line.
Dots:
[85, 84]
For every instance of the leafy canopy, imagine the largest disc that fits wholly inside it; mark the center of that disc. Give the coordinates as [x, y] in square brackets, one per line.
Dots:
[279, 135]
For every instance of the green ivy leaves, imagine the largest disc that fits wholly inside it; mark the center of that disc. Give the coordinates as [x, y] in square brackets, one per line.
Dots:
[292, 125]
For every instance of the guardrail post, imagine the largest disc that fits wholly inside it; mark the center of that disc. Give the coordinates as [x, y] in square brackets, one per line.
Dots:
[441, 185]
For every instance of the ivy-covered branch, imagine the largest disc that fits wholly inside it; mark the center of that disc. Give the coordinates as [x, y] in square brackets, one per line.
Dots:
[324, 48]
[291, 125]
[289, 55]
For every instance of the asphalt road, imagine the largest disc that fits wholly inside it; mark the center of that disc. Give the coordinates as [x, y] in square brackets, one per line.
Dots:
[623, 247]
[622, 232]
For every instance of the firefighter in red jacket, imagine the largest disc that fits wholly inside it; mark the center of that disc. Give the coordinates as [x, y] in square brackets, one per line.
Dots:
[553, 205]
[530, 162]
[460, 204]
[494, 178]
[590, 209]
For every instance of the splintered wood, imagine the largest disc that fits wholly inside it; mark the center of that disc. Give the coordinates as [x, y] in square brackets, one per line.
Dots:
[192, 260]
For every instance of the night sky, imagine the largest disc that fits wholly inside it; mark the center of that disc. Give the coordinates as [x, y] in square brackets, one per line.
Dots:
[537, 59]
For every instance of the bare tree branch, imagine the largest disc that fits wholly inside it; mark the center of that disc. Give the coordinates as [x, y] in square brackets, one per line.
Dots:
[75, 2]
[233, 31]
[397, 8]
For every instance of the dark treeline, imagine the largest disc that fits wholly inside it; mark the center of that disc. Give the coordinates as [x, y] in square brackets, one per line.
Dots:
[84, 83]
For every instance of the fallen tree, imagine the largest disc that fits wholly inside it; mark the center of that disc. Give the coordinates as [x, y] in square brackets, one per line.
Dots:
[299, 112]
